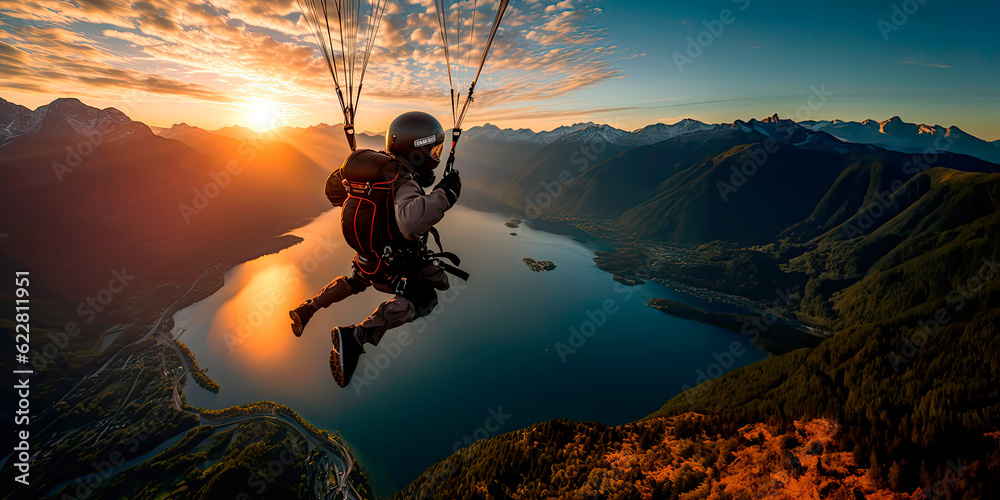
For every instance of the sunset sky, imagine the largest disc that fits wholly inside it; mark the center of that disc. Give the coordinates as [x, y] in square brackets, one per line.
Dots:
[217, 63]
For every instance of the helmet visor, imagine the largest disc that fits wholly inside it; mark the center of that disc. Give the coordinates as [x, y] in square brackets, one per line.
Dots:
[436, 152]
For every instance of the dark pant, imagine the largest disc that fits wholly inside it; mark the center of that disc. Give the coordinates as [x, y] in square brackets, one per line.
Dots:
[418, 298]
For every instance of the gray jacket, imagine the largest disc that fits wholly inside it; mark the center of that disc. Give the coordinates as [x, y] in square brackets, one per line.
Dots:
[417, 212]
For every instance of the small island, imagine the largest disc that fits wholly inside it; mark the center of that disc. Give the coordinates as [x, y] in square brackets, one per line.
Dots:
[539, 266]
[633, 281]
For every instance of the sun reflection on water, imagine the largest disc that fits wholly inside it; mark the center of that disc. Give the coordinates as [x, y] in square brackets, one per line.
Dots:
[254, 322]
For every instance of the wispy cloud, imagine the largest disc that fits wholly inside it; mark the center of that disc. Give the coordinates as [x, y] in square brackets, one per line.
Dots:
[926, 64]
[57, 61]
[542, 113]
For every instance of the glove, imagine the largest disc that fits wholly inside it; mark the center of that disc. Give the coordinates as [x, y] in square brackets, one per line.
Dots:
[451, 185]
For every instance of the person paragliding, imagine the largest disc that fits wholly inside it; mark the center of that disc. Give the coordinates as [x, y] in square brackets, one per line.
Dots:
[387, 213]
[386, 218]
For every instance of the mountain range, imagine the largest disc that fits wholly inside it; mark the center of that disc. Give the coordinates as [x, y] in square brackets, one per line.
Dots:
[891, 249]
[748, 182]
[321, 142]
[889, 246]
[65, 118]
[490, 156]
[95, 187]
[893, 134]
[896, 135]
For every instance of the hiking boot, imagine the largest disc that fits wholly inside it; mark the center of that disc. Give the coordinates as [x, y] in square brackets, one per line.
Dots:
[300, 316]
[344, 355]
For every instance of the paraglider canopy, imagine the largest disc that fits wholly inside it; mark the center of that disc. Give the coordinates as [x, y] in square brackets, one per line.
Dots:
[350, 28]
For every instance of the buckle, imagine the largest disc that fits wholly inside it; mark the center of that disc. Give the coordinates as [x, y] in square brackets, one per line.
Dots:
[400, 286]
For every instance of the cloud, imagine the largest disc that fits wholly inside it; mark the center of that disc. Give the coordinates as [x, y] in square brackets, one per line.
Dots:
[242, 50]
[926, 64]
[564, 5]
[51, 60]
[540, 113]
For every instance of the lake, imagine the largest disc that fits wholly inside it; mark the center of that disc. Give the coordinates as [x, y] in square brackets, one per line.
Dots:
[508, 349]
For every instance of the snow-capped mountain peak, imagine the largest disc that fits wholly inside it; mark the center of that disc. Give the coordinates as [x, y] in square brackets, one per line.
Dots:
[604, 133]
[898, 135]
[661, 132]
[15, 120]
[493, 133]
[67, 118]
[772, 126]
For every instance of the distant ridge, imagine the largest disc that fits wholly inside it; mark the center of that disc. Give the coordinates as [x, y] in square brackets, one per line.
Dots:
[66, 117]
[893, 134]
[896, 135]
[584, 131]
[92, 176]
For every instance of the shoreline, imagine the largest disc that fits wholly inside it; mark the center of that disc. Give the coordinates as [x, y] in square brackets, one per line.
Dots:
[547, 225]
[350, 475]
[744, 305]
[782, 331]
[778, 337]
[269, 409]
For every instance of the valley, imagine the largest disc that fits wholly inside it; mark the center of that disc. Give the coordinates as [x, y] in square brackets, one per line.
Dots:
[872, 283]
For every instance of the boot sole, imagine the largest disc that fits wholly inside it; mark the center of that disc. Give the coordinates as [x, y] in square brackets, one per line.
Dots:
[296, 323]
[337, 359]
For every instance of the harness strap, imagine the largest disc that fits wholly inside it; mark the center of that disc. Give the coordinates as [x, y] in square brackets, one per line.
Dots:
[437, 237]
[397, 260]
[454, 271]
[441, 254]
[447, 255]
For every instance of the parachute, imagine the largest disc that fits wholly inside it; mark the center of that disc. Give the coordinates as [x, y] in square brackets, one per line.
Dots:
[354, 26]
[464, 46]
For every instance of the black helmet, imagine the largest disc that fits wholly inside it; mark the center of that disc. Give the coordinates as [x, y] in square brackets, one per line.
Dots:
[417, 138]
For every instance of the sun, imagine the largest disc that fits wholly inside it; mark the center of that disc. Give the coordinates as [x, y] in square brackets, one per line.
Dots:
[263, 115]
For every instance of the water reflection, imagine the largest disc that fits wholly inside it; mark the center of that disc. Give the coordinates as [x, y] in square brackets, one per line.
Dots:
[491, 347]
[252, 321]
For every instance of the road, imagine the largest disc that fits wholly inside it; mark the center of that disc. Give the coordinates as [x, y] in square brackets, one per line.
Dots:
[342, 465]
[314, 442]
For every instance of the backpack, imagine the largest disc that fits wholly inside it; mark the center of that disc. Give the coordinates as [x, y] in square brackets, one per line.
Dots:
[368, 219]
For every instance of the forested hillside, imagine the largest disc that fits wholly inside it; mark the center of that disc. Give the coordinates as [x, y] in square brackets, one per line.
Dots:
[900, 264]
